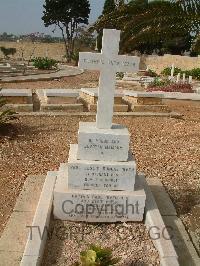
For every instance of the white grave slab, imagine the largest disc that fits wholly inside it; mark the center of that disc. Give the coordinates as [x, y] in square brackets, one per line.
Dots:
[16, 92]
[97, 205]
[141, 94]
[109, 63]
[99, 175]
[103, 144]
[61, 93]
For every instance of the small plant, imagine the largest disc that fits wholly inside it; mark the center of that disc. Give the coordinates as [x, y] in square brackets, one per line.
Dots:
[120, 75]
[167, 71]
[8, 51]
[5, 116]
[97, 256]
[195, 73]
[159, 83]
[75, 57]
[44, 63]
[150, 73]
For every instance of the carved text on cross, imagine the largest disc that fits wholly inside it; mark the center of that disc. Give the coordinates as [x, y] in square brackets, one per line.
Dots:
[108, 62]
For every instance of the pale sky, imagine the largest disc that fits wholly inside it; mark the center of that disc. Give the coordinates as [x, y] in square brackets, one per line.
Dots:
[24, 16]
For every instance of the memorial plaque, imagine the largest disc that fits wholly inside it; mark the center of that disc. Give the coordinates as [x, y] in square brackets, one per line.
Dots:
[98, 206]
[103, 144]
[99, 175]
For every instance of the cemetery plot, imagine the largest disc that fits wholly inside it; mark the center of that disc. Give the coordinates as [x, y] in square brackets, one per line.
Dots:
[17, 100]
[89, 96]
[145, 102]
[59, 100]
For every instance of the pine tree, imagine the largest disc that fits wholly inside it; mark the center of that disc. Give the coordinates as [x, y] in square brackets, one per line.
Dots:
[109, 6]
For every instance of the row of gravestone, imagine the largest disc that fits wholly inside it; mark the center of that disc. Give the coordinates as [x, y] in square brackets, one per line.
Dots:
[81, 100]
[23, 100]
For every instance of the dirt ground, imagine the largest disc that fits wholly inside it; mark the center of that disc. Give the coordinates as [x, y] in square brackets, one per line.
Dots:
[164, 147]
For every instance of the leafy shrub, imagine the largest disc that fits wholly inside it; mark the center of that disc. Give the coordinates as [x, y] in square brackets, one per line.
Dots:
[159, 83]
[120, 75]
[75, 57]
[195, 73]
[97, 256]
[8, 51]
[173, 87]
[150, 73]
[167, 71]
[7, 115]
[44, 63]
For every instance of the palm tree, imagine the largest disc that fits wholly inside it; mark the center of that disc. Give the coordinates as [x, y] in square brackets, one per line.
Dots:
[153, 24]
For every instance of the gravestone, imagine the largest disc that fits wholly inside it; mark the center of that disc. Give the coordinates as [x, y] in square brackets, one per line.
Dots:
[100, 182]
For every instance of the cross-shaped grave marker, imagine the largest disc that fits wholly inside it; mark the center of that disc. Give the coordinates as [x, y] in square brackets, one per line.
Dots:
[109, 63]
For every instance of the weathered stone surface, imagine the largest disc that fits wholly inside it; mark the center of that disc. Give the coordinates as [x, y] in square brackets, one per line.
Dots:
[143, 100]
[99, 175]
[17, 96]
[150, 108]
[97, 205]
[62, 107]
[141, 94]
[117, 107]
[61, 96]
[103, 144]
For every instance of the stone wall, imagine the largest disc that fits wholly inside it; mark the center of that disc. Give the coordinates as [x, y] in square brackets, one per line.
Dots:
[158, 63]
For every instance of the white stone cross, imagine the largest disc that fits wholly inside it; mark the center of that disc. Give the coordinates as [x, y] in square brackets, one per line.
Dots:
[108, 62]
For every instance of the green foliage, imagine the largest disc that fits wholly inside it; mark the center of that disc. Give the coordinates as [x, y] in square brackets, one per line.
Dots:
[8, 51]
[151, 73]
[7, 115]
[97, 256]
[167, 71]
[120, 75]
[44, 63]
[159, 83]
[75, 57]
[109, 6]
[66, 15]
[195, 72]
[169, 30]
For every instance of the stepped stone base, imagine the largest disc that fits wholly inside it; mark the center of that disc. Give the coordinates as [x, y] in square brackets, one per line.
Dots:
[150, 108]
[96, 205]
[99, 175]
[103, 144]
[17, 107]
[61, 107]
[117, 107]
[89, 97]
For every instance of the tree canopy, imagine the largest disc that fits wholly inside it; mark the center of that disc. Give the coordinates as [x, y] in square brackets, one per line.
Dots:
[66, 15]
[156, 24]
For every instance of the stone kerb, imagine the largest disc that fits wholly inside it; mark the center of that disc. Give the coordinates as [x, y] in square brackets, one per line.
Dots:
[59, 100]
[89, 96]
[145, 102]
[19, 100]
[17, 96]
[56, 96]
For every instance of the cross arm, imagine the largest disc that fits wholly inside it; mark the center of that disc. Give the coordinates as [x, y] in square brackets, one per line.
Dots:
[91, 61]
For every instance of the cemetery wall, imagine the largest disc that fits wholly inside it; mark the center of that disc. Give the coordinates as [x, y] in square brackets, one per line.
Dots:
[52, 50]
[158, 63]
